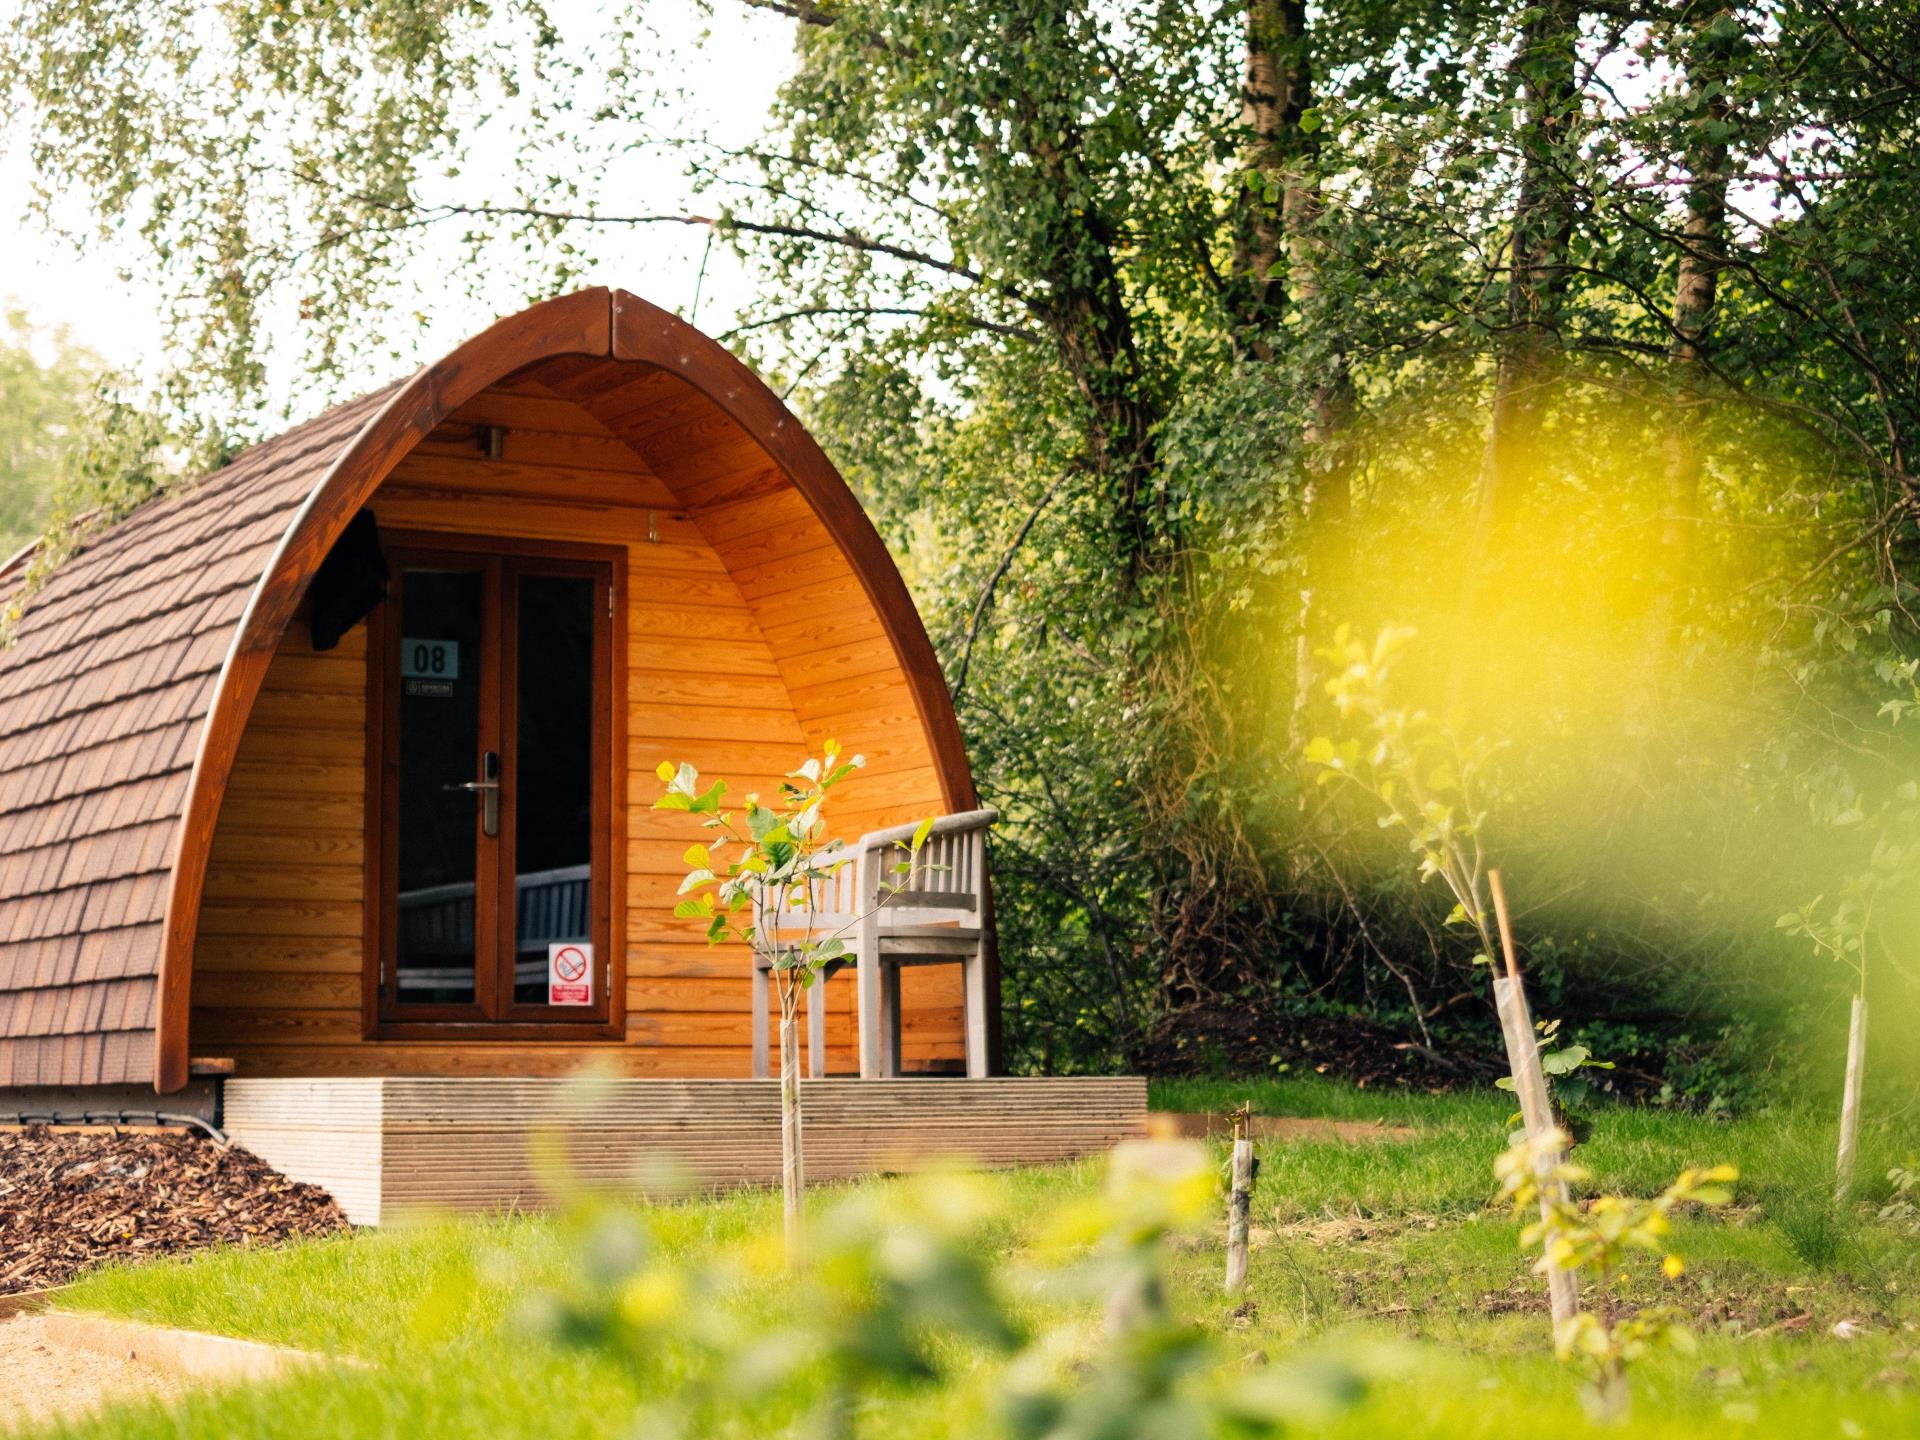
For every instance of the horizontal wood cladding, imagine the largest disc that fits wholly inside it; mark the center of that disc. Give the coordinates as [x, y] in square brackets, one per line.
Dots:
[389, 1146]
[749, 640]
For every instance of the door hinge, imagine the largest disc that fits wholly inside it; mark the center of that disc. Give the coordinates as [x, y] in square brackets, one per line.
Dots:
[610, 602]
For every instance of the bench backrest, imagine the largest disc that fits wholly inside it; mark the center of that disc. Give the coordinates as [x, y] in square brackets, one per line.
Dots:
[944, 884]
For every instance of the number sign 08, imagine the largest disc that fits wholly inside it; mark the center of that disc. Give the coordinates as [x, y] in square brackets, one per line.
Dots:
[429, 659]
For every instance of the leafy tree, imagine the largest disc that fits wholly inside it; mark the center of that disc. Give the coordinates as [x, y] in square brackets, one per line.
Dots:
[41, 406]
[758, 882]
[1161, 337]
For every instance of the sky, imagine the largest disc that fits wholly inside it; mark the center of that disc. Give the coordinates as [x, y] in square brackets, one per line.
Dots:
[110, 297]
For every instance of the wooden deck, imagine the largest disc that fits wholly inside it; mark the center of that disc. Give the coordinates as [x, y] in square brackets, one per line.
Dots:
[388, 1145]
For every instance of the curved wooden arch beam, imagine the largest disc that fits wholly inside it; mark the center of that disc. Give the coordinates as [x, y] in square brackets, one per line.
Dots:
[595, 323]
[577, 324]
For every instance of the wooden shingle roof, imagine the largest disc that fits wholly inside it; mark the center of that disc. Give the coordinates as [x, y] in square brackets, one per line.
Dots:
[102, 700]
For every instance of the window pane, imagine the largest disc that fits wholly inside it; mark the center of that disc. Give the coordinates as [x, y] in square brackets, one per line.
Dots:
[553, 776]
[439, 680]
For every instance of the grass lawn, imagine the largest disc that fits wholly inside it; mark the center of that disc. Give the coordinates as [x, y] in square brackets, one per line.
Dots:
[1363, 1244]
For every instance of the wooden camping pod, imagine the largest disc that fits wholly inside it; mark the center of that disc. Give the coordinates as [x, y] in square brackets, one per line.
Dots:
[188, 832]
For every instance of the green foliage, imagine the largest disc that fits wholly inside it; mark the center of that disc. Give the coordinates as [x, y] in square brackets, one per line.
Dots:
[1143, 392]
[1562, 1064]
[1366, 1245]
[901, 1282]
[1901, 1205]
[1807, 1219]
[783, 851]
[1845, 932]
[1425, 782]
[1596, 1241]
[113, 452]
[1812, 1225]
[41, 405]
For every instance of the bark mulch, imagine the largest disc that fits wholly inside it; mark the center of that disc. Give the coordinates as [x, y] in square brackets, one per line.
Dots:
[70, 1199]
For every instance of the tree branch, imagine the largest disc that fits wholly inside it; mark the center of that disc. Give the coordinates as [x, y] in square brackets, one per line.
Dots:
[985, 600]
[807, 12]
[995, 326]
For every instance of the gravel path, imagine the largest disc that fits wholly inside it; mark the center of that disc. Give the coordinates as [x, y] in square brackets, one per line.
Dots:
[40, 1380]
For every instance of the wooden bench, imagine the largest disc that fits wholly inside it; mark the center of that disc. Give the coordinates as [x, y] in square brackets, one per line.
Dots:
[931, 914]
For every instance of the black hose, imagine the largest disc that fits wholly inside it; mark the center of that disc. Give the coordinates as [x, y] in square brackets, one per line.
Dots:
[118, 1118]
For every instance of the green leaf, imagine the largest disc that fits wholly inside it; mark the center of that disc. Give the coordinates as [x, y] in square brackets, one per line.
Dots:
[698, 856]
[921, 832]
[1564, 1062]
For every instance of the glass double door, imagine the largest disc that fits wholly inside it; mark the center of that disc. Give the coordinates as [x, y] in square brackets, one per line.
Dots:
[494, 762]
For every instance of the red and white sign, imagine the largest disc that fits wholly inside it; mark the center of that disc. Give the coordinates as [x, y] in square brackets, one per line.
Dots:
[570, 974]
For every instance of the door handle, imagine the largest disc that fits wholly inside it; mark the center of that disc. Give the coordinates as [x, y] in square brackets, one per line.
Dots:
[487, 787]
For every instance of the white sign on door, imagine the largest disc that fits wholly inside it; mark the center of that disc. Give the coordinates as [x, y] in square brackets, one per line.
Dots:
[570, 973]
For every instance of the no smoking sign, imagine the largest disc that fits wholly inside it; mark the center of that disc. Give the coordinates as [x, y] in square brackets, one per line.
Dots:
[570, 974]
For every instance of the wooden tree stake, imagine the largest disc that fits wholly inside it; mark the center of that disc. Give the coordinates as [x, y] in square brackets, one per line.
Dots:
[1850, 1100]
[1530, 1084]
[1239, 1204]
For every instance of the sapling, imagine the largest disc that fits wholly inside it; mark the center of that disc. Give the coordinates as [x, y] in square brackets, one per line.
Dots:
[1597, 1242]
[1428, 784]
[910, 1290]
[1848, 932]
[1425, 781]
[781, 854]
[1562, 1064]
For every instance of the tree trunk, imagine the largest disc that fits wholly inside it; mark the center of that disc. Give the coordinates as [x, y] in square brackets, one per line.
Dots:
[793, 1177]
[1696, 291]
[1275, 91]
[1537, 273]
[1280, 212]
